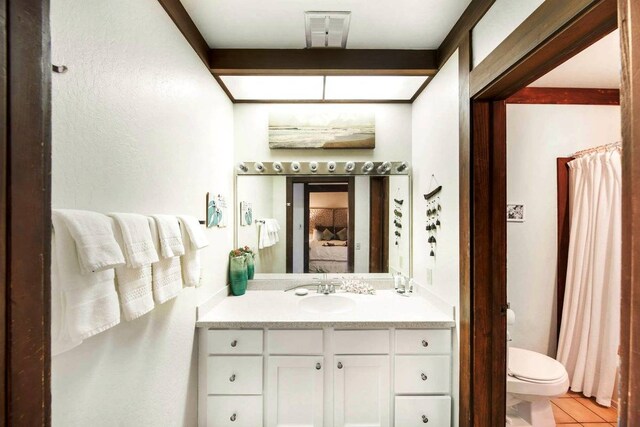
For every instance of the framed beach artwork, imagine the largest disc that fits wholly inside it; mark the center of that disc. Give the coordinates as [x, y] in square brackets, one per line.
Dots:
[515, 212]
[330, 130]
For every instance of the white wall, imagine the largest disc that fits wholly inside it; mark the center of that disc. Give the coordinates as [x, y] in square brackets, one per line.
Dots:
[137, 122]
[393, 133]
[361, 234]
[435, 151]
[536, 136]
[499, 21]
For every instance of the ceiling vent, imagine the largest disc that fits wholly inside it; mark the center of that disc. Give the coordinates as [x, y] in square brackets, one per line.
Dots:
[327, 29]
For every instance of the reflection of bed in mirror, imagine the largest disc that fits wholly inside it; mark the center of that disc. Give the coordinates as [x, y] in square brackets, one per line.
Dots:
[328, 240]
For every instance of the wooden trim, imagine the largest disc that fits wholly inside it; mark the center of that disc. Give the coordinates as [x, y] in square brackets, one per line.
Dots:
[323, 62]
[488, 269]
[352, 224]
[4, 176]
[573, 96]
[554, 32]
[564, 227]
[460, 31]
[629, 397]
[225, 88]
[289, 209]
[187, 27]
[27, 212]
[305, 232]
[466, 373]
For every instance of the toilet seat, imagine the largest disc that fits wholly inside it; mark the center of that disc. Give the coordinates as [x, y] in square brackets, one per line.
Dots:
[534, 367]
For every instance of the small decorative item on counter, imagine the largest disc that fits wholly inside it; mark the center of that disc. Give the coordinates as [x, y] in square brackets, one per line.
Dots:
[357, 286]
[238, 274]
[250, 256]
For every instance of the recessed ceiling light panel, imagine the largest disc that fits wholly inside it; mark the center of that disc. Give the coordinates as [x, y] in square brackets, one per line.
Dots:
[274, 87]
[372, 87]
[327, 29]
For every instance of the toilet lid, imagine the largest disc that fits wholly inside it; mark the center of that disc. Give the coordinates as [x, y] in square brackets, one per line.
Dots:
[531, 366]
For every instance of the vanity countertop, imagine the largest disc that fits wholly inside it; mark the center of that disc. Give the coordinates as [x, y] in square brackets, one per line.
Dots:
[278, 309]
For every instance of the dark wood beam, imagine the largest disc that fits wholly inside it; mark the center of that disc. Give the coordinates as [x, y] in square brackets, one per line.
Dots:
[25, 244]
[469, 18]
[573, 96]
[185, 24]
[322, 62]
[556, 31]
[629, 396]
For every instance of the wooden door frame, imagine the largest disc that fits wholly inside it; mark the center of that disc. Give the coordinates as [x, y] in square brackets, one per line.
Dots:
[25, 217]
[350, 182]
[529, 52]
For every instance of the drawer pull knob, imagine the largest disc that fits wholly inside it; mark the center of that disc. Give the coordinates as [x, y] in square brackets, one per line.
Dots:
[232, 378]
[339, 365]
[425, 343]
[423, 376]
[233, 417]
[234, 343]
[425, 419]
[318, 366]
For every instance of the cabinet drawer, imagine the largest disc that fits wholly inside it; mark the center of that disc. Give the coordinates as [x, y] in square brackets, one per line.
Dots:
[295, 341]
[414, 411]
[220, 341]
[234, 411]
[361, 342]
[422, 374]
[423, 341]
[234, 375]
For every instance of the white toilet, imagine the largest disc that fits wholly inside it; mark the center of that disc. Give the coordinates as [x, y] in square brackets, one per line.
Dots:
[533, 379]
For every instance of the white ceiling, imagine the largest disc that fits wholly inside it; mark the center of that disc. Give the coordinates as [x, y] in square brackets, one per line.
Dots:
[280, 24]
[596, 67]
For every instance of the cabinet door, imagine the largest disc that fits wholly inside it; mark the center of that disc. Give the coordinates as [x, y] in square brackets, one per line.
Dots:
[362, 395]
[295, 391]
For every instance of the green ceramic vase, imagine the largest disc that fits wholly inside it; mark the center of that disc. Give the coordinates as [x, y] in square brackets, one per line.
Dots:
[238, 274]
[251, 268]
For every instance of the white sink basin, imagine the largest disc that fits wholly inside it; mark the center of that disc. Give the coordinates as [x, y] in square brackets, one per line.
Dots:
[327, 304]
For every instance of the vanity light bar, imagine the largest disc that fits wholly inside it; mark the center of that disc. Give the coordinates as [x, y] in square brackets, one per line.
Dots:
[323, 168]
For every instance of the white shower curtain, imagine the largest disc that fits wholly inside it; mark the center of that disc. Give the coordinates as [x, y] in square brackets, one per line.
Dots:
[589, 334]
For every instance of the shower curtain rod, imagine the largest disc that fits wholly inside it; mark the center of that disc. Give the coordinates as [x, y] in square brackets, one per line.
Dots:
[605, 147]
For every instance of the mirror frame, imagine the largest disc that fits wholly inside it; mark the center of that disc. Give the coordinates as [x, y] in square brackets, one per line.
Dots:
[301, 276]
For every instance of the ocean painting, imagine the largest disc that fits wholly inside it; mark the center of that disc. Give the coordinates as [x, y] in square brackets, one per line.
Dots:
[328, 130]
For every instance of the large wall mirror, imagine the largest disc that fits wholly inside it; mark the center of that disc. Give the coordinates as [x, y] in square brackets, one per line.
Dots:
[325, 224]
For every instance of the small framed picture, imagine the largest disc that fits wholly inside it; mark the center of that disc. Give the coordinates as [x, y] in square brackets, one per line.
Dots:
[515, 212]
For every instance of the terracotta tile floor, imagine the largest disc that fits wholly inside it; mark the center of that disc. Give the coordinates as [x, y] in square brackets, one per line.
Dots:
[575, 410]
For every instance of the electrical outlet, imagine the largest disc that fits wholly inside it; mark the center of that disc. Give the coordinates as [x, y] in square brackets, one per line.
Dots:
[357, 246]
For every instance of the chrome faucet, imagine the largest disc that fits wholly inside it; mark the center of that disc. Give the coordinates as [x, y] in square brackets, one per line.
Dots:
[326, 286]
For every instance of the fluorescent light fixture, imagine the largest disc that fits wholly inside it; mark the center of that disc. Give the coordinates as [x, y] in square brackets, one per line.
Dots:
[274, 87]
[372, 87]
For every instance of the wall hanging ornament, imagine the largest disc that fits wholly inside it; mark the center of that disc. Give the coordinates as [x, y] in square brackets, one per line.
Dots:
[434, 208]
[397, 221]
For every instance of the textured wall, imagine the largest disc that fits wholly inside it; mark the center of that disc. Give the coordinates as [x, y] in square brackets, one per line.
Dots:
[436, 151]
[139, 125]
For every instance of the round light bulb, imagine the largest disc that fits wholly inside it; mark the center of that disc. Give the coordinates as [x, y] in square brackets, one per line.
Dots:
[331, 166]
[277, 166]
[259, 167]
[242, 167]
[367, 167]
[349, 166]
[313, 166]
[295, 166]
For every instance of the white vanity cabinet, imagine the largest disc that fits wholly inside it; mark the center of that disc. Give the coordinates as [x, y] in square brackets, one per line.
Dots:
[325, 377]
[361, 391]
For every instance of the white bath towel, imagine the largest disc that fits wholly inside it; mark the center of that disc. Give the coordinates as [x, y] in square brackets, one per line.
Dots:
[82, 304]
[134, 284]
[194, 240]
[94, 241]
[268, 236]
[167, 272]
[139, 249]
[171, 244]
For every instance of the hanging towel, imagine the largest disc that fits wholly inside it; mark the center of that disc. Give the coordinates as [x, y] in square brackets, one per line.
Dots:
[134, 284]
[167, 272]
[82, 304]
[268, 236]
[94, 241]
[194, 240]
[139, 249]
[170, 236]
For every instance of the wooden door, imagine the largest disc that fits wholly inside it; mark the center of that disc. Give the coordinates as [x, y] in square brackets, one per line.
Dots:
[362, 394]
[379, 225]
[295, 391]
